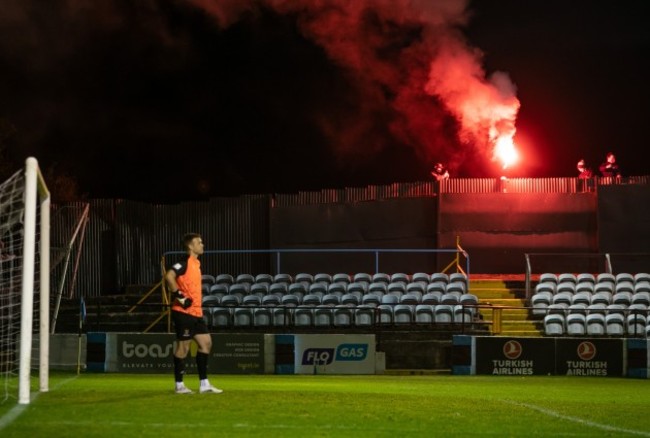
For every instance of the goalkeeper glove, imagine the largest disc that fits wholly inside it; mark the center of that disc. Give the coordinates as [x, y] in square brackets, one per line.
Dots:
[184, 301]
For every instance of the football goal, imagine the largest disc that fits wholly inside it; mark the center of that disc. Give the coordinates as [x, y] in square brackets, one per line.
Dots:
[24, 280]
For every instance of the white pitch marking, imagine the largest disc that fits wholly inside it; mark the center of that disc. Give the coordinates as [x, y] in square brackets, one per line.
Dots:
[576, 419]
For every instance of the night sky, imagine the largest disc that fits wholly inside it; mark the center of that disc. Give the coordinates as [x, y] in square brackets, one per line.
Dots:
[171, 100]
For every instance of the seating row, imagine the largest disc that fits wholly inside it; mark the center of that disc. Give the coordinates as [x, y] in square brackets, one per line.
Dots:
[567, 277]
[541, 301]
[354, 299]
[604, 286]
[322, 288]
[597, 324]
[308, 279]
[339, 315]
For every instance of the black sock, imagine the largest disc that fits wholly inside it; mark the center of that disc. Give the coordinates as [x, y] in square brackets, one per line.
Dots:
[202, 365]
[179, 368]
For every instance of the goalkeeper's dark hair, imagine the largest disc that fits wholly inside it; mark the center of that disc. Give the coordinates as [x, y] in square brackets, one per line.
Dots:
[187, 239]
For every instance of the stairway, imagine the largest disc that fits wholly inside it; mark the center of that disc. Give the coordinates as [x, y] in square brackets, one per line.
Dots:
[510, 297]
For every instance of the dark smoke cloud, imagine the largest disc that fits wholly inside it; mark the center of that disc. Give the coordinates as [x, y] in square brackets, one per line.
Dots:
[170, 99]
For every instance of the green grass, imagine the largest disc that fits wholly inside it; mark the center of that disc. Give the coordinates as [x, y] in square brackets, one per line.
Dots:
[116, 405]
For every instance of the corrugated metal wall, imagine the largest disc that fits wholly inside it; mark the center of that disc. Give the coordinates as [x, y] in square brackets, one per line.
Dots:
[125, 240]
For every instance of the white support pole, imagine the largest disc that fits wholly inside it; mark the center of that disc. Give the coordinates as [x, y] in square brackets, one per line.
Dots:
[27, 307]
[44, 328]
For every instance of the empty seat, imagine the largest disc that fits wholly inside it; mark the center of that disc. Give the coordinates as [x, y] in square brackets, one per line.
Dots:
[323, 277]
[400, 276]
[421, 277]
[283, 278]
[370, 300]
[245, 279]
[444, 313]
[343, 315]
[580, 308]
[566, 287]
[586, 277]
[585, 287]
[259, 289]
[207, 279]
[418, 286]
[463, 314]
[270, 300]
[282, 316]
[431, 298]
[545, 287]
[226, 279]
[262, 317]
[562, 298]
[600, 308]
[337, 289]
[641, 276]
[624, 277]
[218, 289]
[456, 287]
[554, 324]
[581, 298]
[437, 286]
[221, 316]
[424, 314]
[615, 324]
[290, 300]
[548, 277]
[362, 277]
[605, 277]
[361, 288]
[450, 298]
[364, 316]
[642, 286]
[641, 298]
[378, 288]
[540, 302]
[210, 300]
[297, 289]
[350, 299]
[560, 309]
[279, 289]
[323, 316]
[303, 316]
[566, 277]
[458, 277]
[341, 277]
[380, 277]
[311, 300]
[576, 324]
[396, 288]
[596, 324]
[601, 298]
[243, 317]
[385, 314]
[239, 290]
[635, 324]
[251, 300]
[390, 299]
[331, 300]
[403, 314]
[264, 278]
[605, 286]
[230, 300]
[439, 276]
[304, 277]
[318, 288]
[409, 299]
[624, 286]
[622, 298]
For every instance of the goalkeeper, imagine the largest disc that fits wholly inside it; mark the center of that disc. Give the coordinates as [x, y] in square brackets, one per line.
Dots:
[184, 282]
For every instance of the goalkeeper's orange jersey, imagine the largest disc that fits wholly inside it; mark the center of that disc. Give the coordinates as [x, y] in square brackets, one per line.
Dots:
[188, 278]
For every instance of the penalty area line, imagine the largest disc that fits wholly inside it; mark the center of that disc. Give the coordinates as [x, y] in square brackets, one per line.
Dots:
[578, 420]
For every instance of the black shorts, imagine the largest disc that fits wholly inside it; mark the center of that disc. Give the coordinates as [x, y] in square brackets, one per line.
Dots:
[187, 326]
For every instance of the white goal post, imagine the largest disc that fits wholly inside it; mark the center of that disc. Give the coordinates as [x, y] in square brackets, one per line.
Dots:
[27, 204]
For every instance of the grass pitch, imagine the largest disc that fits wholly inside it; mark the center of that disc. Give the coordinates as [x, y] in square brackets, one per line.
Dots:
[110, 405]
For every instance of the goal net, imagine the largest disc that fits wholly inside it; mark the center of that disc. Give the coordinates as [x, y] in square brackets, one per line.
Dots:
[24, 281]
